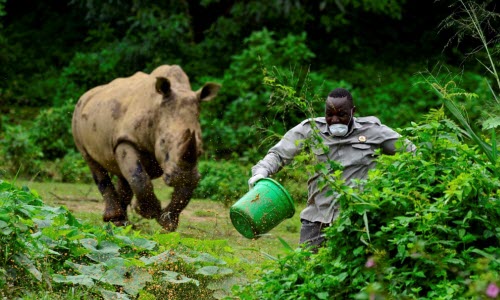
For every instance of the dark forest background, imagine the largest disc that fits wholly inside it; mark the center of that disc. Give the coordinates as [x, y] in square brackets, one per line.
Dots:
[53, 51]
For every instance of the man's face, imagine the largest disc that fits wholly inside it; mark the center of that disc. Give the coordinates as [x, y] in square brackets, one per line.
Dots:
[338, 111]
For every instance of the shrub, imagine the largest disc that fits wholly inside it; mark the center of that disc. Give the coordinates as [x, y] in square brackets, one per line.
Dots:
[423, 226]
[46, 251]
[18, 152]
[51, 131]
[222, 181]
[71, 168]
[244, 98]
[74, 169]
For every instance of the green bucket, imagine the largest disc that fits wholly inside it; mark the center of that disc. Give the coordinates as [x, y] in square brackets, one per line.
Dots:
[261, 209]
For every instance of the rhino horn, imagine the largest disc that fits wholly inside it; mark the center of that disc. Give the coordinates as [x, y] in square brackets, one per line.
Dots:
[189, 153]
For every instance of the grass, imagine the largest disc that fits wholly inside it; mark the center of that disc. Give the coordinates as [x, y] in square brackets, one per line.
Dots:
[202, 219]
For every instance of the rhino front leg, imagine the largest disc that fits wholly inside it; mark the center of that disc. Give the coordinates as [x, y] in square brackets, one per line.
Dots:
[125, 193]
[114, 211]
[181, 196]
[133, 171]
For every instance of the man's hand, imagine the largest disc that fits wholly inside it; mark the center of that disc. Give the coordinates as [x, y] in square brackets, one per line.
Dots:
[254, 179]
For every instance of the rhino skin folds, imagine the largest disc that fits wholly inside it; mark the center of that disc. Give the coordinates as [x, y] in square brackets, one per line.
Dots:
[139, 128]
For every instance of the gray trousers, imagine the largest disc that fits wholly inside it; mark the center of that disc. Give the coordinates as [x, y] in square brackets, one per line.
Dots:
[311, 234]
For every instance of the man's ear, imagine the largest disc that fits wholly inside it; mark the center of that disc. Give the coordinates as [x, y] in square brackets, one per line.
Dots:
[353, 110]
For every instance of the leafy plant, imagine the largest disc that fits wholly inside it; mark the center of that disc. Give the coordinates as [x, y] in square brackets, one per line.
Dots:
[51, 130]
[222, 181]
[474, 19]
[423, 226]
[18, 151]
[48, 248]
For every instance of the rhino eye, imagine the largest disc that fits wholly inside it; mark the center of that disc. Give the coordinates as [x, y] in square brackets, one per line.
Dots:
[167, 157]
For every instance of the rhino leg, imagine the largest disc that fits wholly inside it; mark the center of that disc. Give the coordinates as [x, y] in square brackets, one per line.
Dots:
[113, 211]
[134, 172]
[125, 193]
[181, 196]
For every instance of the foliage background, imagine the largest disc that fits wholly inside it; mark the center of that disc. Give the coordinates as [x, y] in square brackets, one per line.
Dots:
[53, 52]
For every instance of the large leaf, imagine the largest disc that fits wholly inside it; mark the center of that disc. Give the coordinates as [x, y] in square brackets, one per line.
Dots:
[132, 279]
[163, 257]
[76, 279]
[177, 278]
[109, 295]
[102, 251]
[214, 270]
[27, 263]
[94, 271]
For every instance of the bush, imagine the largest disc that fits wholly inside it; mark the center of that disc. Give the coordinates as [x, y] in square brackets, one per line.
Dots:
[47, 251]
[18, 153]
[243, 97]
[222, 181]
[51, 131]
[30, 148]
[74, 169]
[71, 168]
[424, 226]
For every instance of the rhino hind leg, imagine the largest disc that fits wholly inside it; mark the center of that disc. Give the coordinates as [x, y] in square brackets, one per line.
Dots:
[134, 172]
[114, 211]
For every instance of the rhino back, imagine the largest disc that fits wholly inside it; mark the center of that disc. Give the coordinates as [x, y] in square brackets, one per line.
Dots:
[116, 111]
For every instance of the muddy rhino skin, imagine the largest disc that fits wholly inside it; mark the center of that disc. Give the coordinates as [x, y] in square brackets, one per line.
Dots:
[139, 128]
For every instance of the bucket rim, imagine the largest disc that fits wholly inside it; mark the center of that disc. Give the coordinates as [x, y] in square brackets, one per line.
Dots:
[287, 194]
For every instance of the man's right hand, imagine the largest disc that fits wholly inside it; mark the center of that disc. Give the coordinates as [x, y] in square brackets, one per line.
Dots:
[254, 179]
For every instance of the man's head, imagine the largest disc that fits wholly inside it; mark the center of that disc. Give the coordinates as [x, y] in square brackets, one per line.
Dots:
[339, 107]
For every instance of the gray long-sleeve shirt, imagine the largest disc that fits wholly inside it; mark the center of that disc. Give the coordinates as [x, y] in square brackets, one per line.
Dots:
[355, 152]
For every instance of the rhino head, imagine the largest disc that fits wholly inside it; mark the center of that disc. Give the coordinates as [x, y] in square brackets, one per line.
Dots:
[178, 142]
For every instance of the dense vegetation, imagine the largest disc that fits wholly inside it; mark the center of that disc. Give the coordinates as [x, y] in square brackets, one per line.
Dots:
[424, 226]
[55, 51]
[48, 254]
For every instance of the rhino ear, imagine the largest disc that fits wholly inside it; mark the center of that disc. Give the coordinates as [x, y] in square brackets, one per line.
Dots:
[163, 86]
[208, 91]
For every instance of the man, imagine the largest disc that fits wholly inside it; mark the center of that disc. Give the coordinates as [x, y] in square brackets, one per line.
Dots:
[350, 141]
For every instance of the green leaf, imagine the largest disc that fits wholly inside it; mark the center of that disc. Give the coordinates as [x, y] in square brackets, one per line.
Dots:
[76, 279]
[288, 248]
[455, 261]
[102, 251]
[27, 263]
[3, 224]
[109, 295]
[203, 257]
[140, 243]
[177, 278]
[485, 254]
[365, 219]
[94, 271]
[491, 123]
[214, 270]
[132, 279]
[163, 257]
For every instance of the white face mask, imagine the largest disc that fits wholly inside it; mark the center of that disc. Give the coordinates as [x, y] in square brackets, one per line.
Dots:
[339, 129]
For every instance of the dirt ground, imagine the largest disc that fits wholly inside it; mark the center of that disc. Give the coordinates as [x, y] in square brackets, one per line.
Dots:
[201, 219]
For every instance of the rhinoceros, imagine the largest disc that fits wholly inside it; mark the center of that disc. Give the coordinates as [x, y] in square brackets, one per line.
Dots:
[139, 128]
